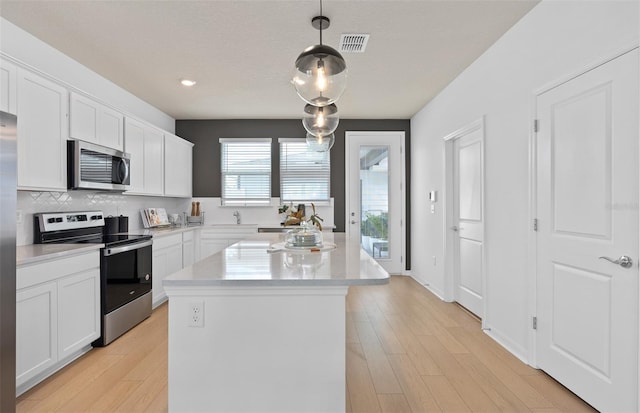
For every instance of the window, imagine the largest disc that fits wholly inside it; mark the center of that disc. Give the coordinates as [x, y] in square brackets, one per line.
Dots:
[305, 175]
[246, 171]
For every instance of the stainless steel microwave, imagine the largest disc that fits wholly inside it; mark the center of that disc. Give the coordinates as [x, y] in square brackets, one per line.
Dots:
[91, 166]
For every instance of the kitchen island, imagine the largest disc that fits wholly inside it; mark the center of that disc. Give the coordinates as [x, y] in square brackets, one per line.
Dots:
[260, 328]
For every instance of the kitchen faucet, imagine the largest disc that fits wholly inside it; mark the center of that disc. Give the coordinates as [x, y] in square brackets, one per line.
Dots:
[237, 215]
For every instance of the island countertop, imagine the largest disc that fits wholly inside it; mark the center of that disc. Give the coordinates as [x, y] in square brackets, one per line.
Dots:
[261, 261]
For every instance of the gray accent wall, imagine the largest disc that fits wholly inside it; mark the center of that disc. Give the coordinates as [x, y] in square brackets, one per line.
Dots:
[204, 134]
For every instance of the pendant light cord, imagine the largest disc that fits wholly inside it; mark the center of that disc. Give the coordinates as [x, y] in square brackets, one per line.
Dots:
[321, 22]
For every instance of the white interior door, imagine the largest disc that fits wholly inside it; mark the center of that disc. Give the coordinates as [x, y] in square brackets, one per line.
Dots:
[375, 178]
[468, 227]
[587, 206]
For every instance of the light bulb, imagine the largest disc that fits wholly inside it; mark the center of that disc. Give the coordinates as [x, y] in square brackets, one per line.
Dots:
[321, 78]
[320, 119]
[320, 143]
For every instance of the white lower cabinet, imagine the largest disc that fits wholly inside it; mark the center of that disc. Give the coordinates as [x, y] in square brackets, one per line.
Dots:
[218, 237]
[36, 330]
[57, 314]
[78, 316]
[210, 245]
[167, 259]
[188, 248]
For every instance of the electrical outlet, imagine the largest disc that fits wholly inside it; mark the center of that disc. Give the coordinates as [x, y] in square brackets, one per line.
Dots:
[196, 314]
[18, 216]
[434, 260]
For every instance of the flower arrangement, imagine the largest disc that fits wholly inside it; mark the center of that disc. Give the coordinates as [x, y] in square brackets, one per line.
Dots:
[296, 215]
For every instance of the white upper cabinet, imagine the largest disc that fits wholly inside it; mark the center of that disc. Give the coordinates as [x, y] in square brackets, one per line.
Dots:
[43, 129]
[145, 144]
[178, 165]
[96, 123]
[8, 85]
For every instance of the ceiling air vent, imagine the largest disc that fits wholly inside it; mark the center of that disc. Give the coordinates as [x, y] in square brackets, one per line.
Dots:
[353, 43]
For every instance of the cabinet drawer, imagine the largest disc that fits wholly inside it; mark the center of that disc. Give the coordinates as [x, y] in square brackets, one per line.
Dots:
[166, 241]
[41, 272]
[187, 236]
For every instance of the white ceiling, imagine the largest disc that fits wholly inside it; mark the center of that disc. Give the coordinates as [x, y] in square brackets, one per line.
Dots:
[242, 52]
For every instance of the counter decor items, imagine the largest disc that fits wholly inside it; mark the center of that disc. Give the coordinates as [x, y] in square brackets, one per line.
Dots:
[305, 236]
[297, 216]
[196, 217]
[154, 217]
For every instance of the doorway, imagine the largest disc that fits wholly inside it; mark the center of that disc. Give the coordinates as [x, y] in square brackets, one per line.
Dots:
[375, 195]
[586, 201]
[464, 206]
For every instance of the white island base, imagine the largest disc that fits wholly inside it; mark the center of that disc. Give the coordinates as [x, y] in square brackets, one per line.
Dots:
[273, 349]
[269, 335]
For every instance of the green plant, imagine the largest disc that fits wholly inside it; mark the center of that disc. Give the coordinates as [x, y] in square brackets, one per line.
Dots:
[375, 226]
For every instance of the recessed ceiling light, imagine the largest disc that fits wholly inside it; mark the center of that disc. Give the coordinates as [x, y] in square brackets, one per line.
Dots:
[188, 82]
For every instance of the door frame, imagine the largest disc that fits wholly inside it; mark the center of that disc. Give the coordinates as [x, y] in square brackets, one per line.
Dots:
[403, 176]
[448, 208]
[532, 252]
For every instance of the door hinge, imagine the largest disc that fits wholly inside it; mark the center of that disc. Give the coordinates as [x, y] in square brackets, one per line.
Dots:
[534, 323]
[536, 125]
[535, 224]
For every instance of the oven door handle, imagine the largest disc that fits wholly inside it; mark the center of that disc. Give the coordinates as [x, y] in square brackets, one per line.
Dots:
[117, 250]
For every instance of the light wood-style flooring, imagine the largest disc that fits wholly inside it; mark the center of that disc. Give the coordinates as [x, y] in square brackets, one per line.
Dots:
[407, 351]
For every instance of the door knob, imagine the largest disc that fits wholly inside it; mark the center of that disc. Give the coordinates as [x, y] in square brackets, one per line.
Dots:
[623, 261]
[354, 222]
[454, 228]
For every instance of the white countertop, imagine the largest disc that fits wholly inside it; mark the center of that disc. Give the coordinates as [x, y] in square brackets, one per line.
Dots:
[28, 254]
[250, 263]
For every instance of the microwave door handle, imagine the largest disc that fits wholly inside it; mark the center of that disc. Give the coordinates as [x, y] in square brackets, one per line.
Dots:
[123, 170]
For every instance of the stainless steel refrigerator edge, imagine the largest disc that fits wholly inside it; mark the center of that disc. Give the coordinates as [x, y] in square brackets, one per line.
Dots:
[8, 128]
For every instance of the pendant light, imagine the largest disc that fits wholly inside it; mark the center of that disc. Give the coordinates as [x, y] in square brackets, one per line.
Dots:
[321, 72]
[320, 143]
[320, 121]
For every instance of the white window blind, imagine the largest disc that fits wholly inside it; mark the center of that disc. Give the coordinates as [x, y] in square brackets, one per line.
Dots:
[246, 171]
[305, 175]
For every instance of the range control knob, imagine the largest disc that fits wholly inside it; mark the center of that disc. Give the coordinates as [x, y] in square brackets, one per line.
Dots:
[51, 220]
[58, 219]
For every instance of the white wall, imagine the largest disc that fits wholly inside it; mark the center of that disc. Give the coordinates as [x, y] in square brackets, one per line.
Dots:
[29, 50]
[555, 39]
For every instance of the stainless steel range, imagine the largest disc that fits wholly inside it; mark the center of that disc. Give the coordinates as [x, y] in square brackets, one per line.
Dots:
[125, 266]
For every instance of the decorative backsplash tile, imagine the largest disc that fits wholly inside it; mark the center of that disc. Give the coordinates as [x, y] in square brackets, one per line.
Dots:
[29, 203]
[111, 203]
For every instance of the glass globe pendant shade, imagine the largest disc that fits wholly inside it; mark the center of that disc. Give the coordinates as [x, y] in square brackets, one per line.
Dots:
[321, 75]
[320, 143]
[320, 120]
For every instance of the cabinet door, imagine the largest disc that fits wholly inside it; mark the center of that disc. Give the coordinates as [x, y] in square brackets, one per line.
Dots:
[188, 256]
[36, 330]
[134, 146]
[94, 122]
[78, 311]
[83, 118]
[8, 72]
[209, 246]
[145, 144]
[153, 162]
[178, 160]
[110, 128]
[42, 133]
[166, 261]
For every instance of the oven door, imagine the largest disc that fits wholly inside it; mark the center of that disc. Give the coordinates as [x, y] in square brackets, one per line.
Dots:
[126, 274]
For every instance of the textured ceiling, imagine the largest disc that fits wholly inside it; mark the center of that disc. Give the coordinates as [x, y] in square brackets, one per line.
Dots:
[241, 52]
